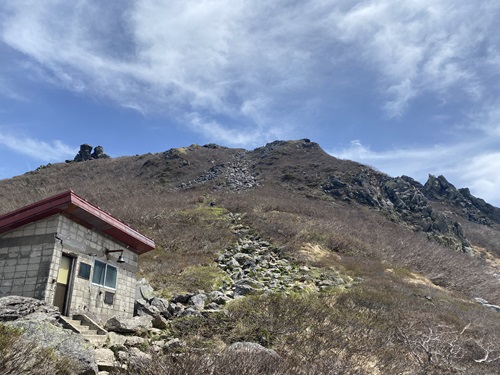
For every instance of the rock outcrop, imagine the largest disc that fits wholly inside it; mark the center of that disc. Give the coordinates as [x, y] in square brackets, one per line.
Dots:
[17, 307]
[472, 208]
[86, 153]
[40, 325]
[403, 199]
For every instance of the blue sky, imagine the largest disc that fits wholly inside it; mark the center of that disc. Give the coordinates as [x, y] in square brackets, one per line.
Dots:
[408, 87]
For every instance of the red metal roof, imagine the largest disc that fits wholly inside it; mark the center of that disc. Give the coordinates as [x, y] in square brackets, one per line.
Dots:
[81, 211]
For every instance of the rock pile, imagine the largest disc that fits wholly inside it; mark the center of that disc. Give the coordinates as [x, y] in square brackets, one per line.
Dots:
[235, 175]
[254, 266]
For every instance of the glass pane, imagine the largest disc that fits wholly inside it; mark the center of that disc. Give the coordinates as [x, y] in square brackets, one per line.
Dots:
[84, 271]
[110, 277]
[98, 276]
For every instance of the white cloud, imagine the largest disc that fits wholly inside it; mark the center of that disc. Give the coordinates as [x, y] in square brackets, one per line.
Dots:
[217, 57]
[54, 151]
[242, 137]
[423, 46]
[481, 175]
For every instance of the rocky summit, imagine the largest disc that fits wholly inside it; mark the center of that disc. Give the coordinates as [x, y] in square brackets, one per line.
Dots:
[277, 260]
[86, 153]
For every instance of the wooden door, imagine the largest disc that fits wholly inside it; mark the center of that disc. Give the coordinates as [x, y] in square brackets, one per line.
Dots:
[63, 284]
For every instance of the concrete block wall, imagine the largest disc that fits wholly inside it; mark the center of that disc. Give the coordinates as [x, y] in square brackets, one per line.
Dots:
[30, 257]
[26, 259]
[87, 245]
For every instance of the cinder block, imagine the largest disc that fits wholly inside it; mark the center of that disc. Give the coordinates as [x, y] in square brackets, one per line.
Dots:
[35, 253]
[22, 261]
[33, 267]
[35, 260]
[5, 290]
[21, 268]
[30, 281]
[29, 231]
[20, 281]
[17, 290]
[32, 273]
[28, 288]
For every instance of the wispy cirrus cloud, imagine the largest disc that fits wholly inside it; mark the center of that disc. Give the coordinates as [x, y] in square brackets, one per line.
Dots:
[216, 57]
[54, 151]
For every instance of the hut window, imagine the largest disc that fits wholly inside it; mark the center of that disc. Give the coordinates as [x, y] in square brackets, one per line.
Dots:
[104, 274]
[84, 271]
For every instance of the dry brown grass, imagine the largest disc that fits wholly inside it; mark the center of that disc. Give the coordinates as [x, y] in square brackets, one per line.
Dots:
[379, 325]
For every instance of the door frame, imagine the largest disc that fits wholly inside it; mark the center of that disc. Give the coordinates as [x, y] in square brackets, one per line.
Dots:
[69, 286]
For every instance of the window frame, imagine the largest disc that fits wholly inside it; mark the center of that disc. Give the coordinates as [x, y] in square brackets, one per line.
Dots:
[106, 265]
[82, 271]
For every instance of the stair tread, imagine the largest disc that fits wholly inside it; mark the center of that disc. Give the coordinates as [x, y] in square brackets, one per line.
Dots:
[73, 322]
[84, 329]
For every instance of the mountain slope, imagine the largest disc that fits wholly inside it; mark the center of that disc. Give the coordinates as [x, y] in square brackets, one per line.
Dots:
[419, 253]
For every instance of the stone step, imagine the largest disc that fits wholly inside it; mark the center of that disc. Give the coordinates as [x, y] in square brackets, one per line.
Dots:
[89, 332]
[73, 322]
[96, 340]
[82, 328]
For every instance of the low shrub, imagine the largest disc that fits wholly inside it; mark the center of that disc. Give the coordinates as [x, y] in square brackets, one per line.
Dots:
[18, 357]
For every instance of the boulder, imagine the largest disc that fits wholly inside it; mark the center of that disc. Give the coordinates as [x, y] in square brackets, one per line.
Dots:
[159, 322]
[17, 307]
[99, 153]
[115, 339]
[198, 301]
[136, 325]
[85, 153]
[134, 341]
[144, 291]
[182, 298]
[160, 303]
[146, 303]
[105, 359]
[246, 287]
[141, 308]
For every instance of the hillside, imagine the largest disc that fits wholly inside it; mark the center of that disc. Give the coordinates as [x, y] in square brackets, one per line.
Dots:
[406, 259]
